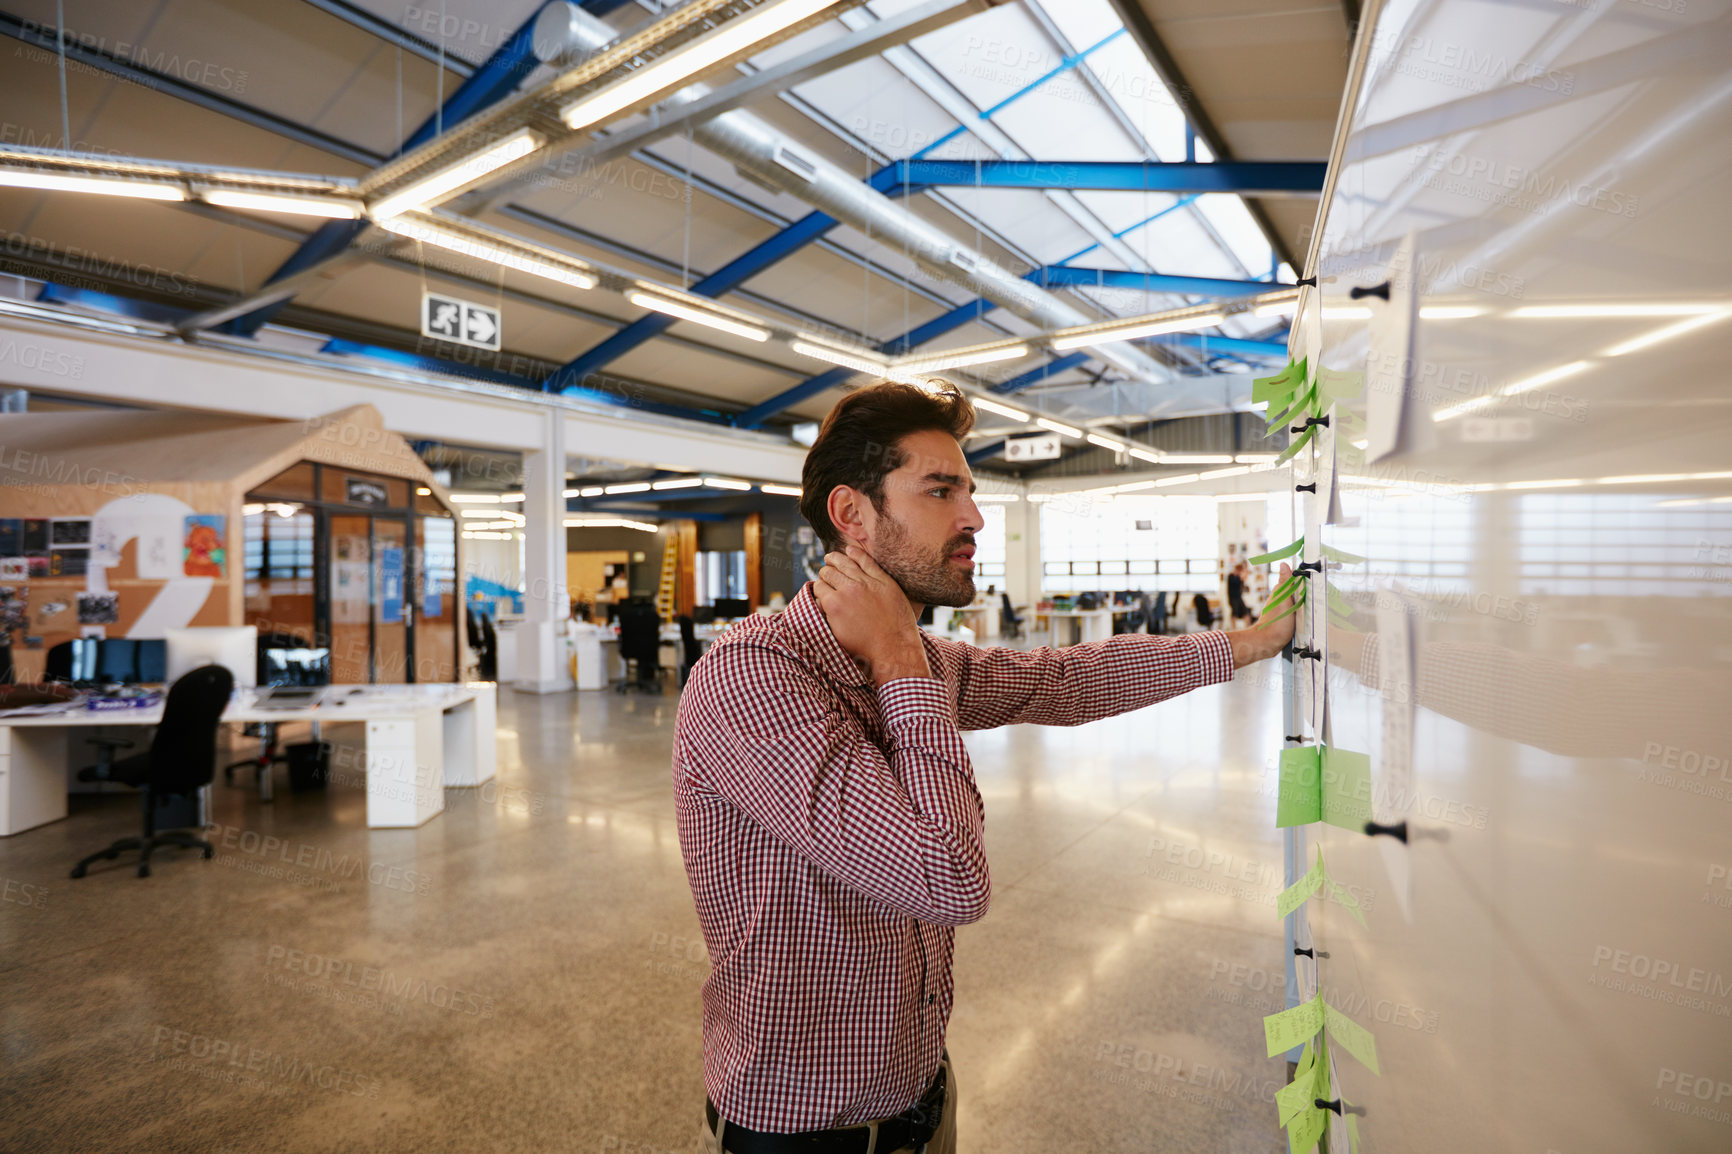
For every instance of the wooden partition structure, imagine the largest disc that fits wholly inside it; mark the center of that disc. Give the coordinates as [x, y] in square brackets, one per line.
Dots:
[329, 531]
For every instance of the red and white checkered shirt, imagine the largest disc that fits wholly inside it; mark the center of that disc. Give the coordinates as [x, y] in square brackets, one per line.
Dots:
[832, 835]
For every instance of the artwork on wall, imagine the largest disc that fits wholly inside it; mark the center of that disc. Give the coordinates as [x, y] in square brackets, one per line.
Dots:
[68, 562]
[11, 536]
[14, 610]
[14, 568]
[204, 553]
[74, 531]
[98, 608]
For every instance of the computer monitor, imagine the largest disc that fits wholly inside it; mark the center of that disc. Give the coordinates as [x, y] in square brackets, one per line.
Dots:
[703, 615]
[117, 662]
[733, 607]
[234, 647]
[297, 665]
[152, 661]
[85, 652]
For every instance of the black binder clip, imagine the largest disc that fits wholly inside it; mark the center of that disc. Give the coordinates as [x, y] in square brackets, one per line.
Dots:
[1295, 740]
[1312, 954]
[1339, 1107]
[1309, 421]
[1376, 290]
[1309, 653]
[1398, 831]
[1306, 280]
[1308, 567]
[1311, 488]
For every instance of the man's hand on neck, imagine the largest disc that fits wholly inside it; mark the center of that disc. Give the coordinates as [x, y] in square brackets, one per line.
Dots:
[871, 617]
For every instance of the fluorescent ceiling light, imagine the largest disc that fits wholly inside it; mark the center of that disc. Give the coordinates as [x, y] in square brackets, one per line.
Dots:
[1664, 334]
[1056, 427]
[628, 487]
[1197, 459]
[1133, 332]
[1106, 442]
[1142, 454]
[1449, 312]
[1566, 484]
[1233, 471]
[569, 493]
[487, 498]
[1449, 413]
[469, 535]
[678, 483]
[664, 72]
[728, 483]
[1133, 486]
[957, 360]
[466, 171]
[104, 185]
[1633, 309]
[479, 249]
[1040, 498]
[995, 407]
[1255, 458]
[607, 523]
[1277, 309]
[780, 490]
[590, 491]
[336, 208]
[861, 362]
[1643, 479]
[700, 316]
[490, 513]
[1693, 501]
[423, 491]
[1183, 478]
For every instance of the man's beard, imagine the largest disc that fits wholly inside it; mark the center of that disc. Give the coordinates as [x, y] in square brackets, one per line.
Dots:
[926, 577]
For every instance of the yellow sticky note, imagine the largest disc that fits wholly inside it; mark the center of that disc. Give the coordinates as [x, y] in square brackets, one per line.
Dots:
[1300, 1093]
[1293, 1026]
[1294, 895]
[1306, 1129]
[1353, 1037]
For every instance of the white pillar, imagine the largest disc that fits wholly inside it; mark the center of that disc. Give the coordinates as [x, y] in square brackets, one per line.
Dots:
[541, 653]
[1022, 551]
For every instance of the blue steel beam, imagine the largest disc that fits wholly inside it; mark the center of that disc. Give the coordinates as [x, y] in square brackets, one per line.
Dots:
[755, 416]
[1246, 177]
[1275, 348]
[1035, 376]
[497, 78]
[976, 456]
[1068, 275]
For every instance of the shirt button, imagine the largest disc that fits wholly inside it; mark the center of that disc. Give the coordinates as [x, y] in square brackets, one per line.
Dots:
[930, 998]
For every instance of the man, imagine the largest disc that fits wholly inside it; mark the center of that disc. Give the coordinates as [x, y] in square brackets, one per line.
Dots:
[828, 817]
[1236, 581]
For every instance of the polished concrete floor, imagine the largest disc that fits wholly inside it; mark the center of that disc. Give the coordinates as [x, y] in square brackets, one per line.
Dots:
[522, 973]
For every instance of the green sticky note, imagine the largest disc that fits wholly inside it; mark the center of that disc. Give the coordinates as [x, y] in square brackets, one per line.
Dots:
[1346, 781]
[1300, 797]
[1335, 385]
[1293, 1026]
[1304, 403]
[1301, 1093]
[1280, 554]
[1299, 442]
[1294, 895]
[1342, 556]
[1351, 1036]
[1306, 1129]
[1276, 389]
[1339, 605]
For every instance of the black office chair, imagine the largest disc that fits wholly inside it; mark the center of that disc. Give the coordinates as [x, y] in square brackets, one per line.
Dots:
[690, 649]
[640, 641]
[181, 760]
[57, 663]
[265, 731]
[1205, 615]
[1009, 622]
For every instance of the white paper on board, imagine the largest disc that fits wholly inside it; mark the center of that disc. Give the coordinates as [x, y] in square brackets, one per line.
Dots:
[1392, 781]
[1390, 359]
[1329, 505]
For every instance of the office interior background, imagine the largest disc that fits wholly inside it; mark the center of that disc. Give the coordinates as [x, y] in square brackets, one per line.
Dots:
[419, 389]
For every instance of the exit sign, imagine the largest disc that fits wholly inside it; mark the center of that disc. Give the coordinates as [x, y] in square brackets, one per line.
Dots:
[459, 321]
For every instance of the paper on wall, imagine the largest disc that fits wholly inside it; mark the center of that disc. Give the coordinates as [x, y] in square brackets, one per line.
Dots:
[1389, 362]
[1392, 797]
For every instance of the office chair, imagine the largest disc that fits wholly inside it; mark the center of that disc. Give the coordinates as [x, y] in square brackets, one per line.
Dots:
[265, 731]
[640, 641]
[1009, 622]
[181, 760]
[1158, 622]
[1205, 615]
[690, 650]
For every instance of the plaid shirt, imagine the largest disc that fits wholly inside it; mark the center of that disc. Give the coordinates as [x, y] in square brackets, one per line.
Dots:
[832, 836]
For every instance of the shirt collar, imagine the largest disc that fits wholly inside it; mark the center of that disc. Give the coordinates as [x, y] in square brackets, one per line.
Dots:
[811, 632]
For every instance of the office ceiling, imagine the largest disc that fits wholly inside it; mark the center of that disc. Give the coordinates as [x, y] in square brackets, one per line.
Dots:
[334, 86]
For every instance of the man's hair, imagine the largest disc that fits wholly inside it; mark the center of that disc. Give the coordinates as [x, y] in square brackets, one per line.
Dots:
[860, 444]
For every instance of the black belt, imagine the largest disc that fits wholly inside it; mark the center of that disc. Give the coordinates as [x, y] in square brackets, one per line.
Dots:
[911, 1129]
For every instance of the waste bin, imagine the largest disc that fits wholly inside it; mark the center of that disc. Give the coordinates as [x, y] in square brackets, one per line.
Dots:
[309, 763]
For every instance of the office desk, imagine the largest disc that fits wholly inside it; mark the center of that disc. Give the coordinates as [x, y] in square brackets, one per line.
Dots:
[420, 739]
[1074, 626]
[609, 667]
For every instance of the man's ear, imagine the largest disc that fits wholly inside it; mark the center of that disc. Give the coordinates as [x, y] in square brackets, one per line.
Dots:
[847, 509]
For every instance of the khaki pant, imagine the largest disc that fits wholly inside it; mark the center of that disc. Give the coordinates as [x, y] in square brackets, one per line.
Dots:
[943, 1142]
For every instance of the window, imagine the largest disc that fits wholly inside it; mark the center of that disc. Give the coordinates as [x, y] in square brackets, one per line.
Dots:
[720, 575]
[1622, 544]
[1098, 546]
[989, 548]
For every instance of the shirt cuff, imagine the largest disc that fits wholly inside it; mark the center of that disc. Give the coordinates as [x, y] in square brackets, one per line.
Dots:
[907, 700]
[1215, 658]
